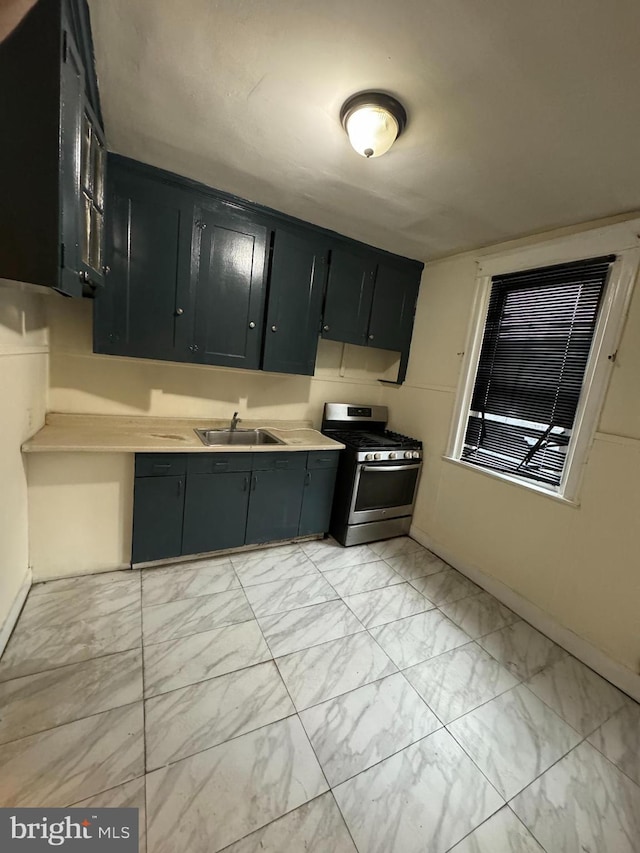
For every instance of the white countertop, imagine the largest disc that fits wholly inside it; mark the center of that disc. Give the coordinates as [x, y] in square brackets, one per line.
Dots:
[115, 433]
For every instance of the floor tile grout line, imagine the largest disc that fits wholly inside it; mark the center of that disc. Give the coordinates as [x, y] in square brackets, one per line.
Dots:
[70, 723]
[530, 831]
[205, 680]
[52, 626]
[276, 819]
[191, 597]
[68, 665]
[182, 758]
[196, 633]
[71, 663]
[107, 790]
[312, 574]
[606, 757]
[525, 683]
[395, 752]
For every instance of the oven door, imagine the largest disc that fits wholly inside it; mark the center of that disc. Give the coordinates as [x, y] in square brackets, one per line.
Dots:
[383, 491]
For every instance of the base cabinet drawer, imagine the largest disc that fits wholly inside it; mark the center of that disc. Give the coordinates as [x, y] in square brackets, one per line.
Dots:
[215, 512]
[158, 506]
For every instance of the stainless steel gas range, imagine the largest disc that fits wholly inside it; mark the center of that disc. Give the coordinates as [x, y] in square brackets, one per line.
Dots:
[377, 476]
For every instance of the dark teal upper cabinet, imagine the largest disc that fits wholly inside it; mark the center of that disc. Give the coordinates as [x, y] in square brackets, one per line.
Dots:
[51, 151]
[228, 285]
[371, 299]
[393, 306]
[349, 293]
[197, 275]
[148, 245]
[298, 276]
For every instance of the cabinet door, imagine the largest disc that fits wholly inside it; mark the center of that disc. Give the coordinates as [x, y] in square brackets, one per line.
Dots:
[215, 511]
[394, 302]
[228, 279]
[274, 505]
[317, 499]
[349, 293]
[148, 247]
[91, 197]
[298, 273]
[158, 505]
[71, 111]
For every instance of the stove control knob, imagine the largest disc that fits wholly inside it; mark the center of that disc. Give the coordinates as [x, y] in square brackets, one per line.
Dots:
[408, 454]
[369, 457]
[377, 456]
[392, 455]
[416, 454]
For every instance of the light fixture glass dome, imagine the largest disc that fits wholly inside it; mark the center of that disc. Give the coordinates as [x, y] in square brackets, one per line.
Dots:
[373, 121]
[372, 130]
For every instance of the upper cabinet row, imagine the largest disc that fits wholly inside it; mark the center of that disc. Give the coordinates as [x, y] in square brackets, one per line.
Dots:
[179, 271]
[52, 151]
[202, 277]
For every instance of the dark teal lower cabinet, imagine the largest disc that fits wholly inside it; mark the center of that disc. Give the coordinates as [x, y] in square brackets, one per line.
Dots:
[215, 512]
[274, 507]
[317, 498]
[158, 505]
[196, 503]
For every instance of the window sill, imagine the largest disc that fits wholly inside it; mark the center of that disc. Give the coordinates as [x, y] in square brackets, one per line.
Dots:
[515, 481]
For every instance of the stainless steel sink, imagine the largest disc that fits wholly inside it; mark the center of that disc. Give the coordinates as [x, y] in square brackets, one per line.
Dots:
[216, 437]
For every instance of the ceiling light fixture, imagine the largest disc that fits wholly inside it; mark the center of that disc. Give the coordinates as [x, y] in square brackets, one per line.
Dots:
[373, 121]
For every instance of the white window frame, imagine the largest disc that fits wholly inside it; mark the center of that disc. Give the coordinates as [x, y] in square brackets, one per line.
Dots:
[622, 240]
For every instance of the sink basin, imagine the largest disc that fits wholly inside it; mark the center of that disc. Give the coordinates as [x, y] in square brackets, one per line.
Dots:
[215, 437]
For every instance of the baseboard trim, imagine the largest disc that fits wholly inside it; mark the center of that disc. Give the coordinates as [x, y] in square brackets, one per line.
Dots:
[616, 673]
[14, 611]
[99, 571]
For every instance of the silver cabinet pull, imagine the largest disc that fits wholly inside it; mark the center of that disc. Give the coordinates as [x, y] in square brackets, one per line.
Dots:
[252, 325]
[179, 312]
[370, 337]
[325, 328]
[274, 328]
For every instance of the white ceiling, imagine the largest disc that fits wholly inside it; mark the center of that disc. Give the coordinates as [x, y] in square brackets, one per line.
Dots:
[523, 114]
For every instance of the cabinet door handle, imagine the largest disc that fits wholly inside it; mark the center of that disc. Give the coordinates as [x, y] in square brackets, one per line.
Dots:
[179, 488]
[252, 325]
[158, 465]
[179, 312]
[370, 337]
[245, 484]
[254, 482]
[274, 328]
[307, 480]
[325, 328]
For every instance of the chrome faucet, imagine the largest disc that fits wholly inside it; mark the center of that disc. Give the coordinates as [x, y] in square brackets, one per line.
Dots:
[235, 420]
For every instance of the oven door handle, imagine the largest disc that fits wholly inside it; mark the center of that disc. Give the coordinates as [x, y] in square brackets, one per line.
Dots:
[384, 469]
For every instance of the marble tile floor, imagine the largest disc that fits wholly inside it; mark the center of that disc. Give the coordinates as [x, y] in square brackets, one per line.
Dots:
[312, 698]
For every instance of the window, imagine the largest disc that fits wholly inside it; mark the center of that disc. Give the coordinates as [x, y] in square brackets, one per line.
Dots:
[538, 358]
[537, 337]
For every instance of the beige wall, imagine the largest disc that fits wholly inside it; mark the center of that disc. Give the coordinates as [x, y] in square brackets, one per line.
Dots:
[23, 394]
[80, 512]
[578, 564]
[84, 382]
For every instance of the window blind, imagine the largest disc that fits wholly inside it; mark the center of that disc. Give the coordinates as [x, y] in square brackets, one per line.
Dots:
[537, 338]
